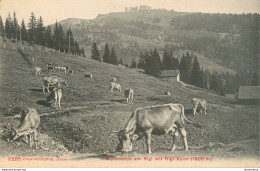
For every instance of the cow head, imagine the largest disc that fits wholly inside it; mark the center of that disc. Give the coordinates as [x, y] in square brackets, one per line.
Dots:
[125, 140]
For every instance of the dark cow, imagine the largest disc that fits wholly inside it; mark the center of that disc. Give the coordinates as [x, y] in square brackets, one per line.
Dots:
[29, 122]
[156, 120]
[129, 95]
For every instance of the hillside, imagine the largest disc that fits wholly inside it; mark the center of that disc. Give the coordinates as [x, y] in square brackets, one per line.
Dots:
[90, 112]
[133, 32]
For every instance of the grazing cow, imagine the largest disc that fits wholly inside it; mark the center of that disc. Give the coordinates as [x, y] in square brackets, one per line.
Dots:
[50, 68]
[156, 120]
[52, 81]
[62, 68]
[168, 93]
[113, 79]
[116, 86]
[55, 94]
[201, 103]
[29, 122]
[129, 95]
[38, 70]
[88, 75]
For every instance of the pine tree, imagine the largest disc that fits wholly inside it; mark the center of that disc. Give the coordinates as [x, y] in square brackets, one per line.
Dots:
[133, 64]
[106, 56]
[32, 28]
[82, 52]
[196, 78]
[16, 28]
[113, 57]
[147, 62]
[155, 64]
[2, 28]
[95, 53]
[8, 26]
[40, 32]
[24, 33]
[48, 37]
[69, 41]
[166, 61]
[56, 35]
[141, 62]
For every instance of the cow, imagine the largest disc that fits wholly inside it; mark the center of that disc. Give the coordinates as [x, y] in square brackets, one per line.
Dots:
[32, 59]
[37, 70]
[52, 81]
[49, 64]
[29, 122]
[113, 79]
[156, 120]
[129, 95]
[201, 103]
[88, 75]
[62, 68]
[55, 94]
[116, 86]
[168, 93]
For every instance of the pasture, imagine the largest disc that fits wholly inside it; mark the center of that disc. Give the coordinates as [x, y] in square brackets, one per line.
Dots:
[90, 112]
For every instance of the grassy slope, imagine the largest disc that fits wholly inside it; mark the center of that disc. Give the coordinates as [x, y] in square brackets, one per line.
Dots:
[90, 112]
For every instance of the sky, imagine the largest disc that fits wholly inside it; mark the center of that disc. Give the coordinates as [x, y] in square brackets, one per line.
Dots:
[52, 10]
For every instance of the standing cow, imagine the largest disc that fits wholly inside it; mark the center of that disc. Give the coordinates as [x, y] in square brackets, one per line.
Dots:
[199, 103]
[29, 122]
[129, 95]
[55, 94]
[115, 86]
[156, 120]
[52, 81]
[37, 70]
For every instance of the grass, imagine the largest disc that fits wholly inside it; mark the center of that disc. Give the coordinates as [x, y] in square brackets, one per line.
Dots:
[90, 112]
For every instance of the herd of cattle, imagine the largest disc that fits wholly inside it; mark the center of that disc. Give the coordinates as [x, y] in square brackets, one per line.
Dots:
[157, 120]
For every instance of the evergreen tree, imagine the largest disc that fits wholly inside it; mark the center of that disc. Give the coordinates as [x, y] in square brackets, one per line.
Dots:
[155, 64]
[95, 53]
[69, 40]
[32, 28]
[40, 32]
[147, 62]
[83, 52]
[8, 26]
[106, 56]
[48, 37]
[24, 33]
[113, 57]
[175, 63]
[196, 78]
[2, 28]
[133, 64]
[56, 35]
[166, 61]
[141, 62]
[16, 28]
[216, 83]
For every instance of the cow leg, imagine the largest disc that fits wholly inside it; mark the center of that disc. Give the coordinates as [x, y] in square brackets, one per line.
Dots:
[43, 89]
[30, 139]
[184, 136]
[34, 138]
[148, 140]
[205, 111]
[194, 111]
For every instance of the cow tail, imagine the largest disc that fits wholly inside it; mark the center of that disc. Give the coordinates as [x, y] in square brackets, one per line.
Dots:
[183, 115]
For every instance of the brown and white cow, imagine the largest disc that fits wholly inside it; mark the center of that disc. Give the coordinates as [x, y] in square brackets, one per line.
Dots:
[156, 120]
[115, 86]
[199, 103]
[55, 94]
[52, 81]
[37, 70]
[62, 68]
[129, 95]
[29, 122]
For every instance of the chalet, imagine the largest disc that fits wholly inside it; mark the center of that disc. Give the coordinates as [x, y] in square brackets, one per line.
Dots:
[249, 94]
[170, 75]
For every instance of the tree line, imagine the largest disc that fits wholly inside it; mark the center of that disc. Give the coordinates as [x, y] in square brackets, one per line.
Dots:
[36, 33]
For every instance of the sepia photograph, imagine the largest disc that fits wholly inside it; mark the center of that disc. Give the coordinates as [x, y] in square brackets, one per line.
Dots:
[129, 84]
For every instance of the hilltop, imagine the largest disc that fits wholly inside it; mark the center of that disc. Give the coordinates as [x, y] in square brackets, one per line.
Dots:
[90, 112]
